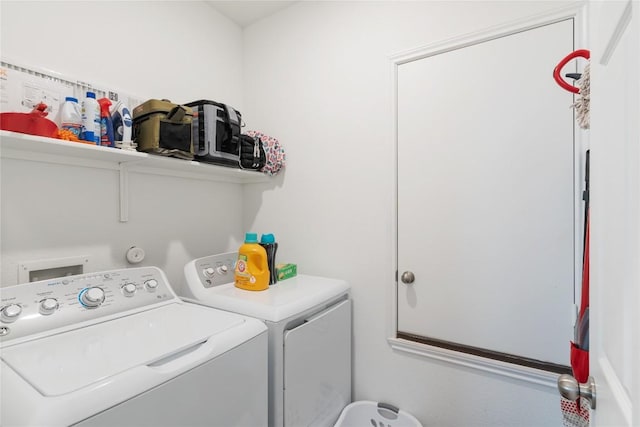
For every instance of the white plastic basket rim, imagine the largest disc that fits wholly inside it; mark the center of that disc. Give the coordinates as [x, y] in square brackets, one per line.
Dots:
[363, 413]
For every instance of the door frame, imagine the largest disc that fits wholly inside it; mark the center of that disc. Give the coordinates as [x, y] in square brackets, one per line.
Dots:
[576, 11]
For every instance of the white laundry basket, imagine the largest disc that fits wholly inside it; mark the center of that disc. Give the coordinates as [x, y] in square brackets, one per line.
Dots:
[364, 413]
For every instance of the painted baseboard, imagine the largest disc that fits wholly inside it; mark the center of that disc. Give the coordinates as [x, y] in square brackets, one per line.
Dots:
[516, 372]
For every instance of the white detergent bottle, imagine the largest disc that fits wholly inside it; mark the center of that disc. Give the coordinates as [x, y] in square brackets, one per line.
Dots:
[71, 116]
[91, 119]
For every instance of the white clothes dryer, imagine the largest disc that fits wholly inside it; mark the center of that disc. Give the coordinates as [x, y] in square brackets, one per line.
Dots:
[309, 322]
[119, 348]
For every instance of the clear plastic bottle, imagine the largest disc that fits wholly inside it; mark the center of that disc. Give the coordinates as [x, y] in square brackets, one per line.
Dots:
[71, 116]
[252, 269]
[91, 119]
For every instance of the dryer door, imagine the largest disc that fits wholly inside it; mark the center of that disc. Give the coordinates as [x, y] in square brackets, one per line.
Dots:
[317, 368]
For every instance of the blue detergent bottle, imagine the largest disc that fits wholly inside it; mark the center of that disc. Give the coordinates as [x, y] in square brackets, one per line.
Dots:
[268, 242]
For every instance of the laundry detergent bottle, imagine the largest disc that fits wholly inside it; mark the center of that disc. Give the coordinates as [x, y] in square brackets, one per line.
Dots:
[91, 119]
[268, 242]
[252, 268]
[71, 116]
[121, 118]
[106, 124]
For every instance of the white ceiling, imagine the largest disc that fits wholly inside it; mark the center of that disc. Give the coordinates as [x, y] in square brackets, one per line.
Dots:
[247, 12]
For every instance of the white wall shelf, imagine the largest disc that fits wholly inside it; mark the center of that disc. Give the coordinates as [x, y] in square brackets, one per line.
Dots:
[40, 149]
[50, 150]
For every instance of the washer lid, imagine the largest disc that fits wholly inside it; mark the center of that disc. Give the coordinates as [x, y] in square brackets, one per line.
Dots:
[69, 361]
[281, 301]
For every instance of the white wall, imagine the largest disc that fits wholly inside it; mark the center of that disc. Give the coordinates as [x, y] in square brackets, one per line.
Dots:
[182, 51]
[318, 77]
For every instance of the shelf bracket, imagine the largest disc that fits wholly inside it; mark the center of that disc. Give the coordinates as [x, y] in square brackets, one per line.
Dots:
[123, 171]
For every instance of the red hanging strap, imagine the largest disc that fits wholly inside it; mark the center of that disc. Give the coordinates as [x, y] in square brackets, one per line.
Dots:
[580, 53]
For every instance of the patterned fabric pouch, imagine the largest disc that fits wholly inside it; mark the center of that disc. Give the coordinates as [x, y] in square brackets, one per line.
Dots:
[274, 151]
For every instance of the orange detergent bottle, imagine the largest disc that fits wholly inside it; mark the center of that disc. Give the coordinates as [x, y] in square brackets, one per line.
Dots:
[252, 267]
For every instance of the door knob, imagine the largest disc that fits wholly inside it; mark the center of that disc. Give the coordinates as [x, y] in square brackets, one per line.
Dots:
[407, 277]
[571, 389]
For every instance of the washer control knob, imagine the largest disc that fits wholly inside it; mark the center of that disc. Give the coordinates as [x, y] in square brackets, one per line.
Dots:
[11, 312]
[92, 297]
[209, 272]
[128, 289]
[48, 306]
[151, 285]
[223, 269]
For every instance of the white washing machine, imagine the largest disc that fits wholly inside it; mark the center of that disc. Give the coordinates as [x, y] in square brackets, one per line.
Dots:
[119, 348]
[309, 321]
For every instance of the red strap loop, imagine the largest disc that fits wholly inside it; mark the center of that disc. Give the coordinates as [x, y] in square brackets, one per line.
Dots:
[580, 53]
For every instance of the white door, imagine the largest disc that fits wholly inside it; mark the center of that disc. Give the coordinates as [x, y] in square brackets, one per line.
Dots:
[486, 197]
[615, 215]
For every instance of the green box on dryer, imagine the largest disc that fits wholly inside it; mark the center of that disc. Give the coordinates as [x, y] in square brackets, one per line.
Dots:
[286, 271]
